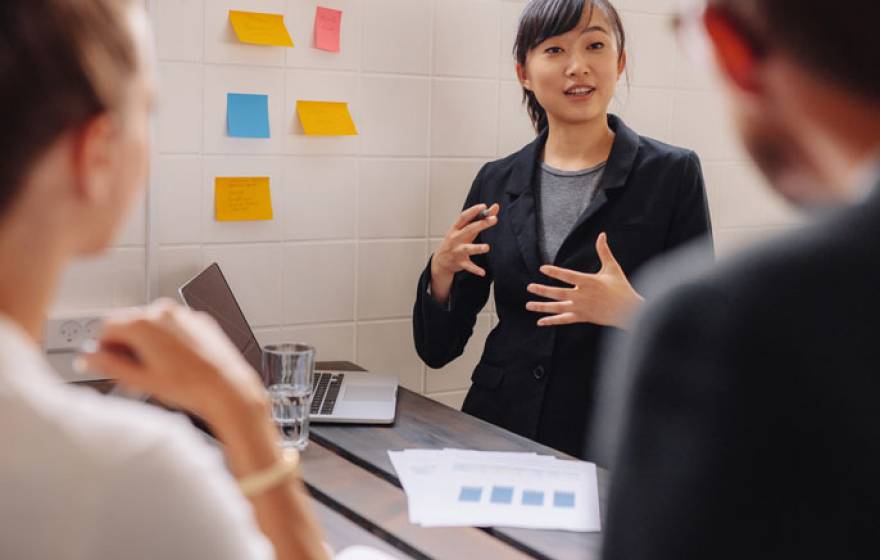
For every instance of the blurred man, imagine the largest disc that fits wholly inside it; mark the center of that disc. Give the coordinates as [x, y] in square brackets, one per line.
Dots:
[752, 426]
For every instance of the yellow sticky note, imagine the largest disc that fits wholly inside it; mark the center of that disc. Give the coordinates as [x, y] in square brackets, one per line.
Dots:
[260, 29]
[242, 198]
[325, 118]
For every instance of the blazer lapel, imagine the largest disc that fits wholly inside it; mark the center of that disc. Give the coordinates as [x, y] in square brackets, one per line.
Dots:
[522, 207]
[620, 163]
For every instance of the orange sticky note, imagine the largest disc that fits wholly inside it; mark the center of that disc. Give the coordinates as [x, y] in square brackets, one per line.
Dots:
[327, 25]
[260, 29]
[325, 118]
[238, 199]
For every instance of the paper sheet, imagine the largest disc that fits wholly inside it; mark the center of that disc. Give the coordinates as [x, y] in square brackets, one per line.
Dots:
[242, 199]
[327, 27]
[325, 118]
[247, 115]
[256, 28]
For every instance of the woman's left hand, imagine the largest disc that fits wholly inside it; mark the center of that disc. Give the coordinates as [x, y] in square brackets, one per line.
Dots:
[605, 298]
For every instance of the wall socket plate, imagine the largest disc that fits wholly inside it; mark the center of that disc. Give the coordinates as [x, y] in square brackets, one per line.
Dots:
[68, 331]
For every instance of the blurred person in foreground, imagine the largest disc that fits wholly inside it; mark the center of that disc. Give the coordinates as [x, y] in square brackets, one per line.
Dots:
[91, 477]
[750, 425]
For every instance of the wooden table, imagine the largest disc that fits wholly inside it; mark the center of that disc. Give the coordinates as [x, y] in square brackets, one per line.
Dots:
[347, 469]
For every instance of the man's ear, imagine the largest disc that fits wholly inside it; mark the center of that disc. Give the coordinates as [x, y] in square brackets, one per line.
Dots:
[735, 55]
[93, 153]
[523, 77]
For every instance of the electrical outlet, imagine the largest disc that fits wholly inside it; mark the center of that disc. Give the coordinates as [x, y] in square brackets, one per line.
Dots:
[66, 332]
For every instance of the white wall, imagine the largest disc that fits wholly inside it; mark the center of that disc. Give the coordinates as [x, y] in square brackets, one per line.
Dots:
[431, 88]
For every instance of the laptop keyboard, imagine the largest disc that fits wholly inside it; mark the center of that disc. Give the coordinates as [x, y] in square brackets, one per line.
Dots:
[325, 391]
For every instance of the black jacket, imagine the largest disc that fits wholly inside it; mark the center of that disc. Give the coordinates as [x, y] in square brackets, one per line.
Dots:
[539, 381]
[753, 429]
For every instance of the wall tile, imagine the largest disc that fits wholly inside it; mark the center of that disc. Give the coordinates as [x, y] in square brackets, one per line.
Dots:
[397, 36]
[239, 232]
[178, 265]
[395, 116]
[320, 195]
[514, 127]
[306, 85]
[180, 29]
[464, 118]
[739, 197]
[651, 50]
[318, 282]
[450, 184]
[387, 347]
[332, 342]
[510, 12]
[254, 275]
[701, 122]
[221, 44]
[648, 111]
[392, 198]
[134, 231]
[452, 400]
[387, 275]
[466, 37]
[301, 23]
[731, 241]
[178, 189]
[180, 107]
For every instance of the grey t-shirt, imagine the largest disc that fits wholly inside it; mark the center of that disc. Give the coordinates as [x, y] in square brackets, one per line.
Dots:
[564, 195]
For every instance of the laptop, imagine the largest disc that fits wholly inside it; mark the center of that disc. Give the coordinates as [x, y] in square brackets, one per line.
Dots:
[338, 396]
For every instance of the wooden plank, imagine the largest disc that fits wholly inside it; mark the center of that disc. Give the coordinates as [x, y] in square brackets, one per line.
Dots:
[380, 507]
[426, 424]
[341, 532]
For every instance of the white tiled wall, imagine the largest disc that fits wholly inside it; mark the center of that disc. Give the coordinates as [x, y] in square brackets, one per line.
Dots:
[431, 87]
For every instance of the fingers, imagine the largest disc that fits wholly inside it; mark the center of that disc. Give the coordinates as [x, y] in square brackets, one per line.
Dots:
[471, 231]
[555, 307]
[473, 269]
[563, 319]
[565, 275]
[559, 294]
[604, 251]
[475, 249]
[113, 364]
[468, 215]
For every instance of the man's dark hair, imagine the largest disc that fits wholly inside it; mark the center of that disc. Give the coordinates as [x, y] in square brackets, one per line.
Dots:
[838, 40]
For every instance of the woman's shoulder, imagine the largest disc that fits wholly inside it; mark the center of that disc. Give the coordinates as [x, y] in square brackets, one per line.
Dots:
[653, 151]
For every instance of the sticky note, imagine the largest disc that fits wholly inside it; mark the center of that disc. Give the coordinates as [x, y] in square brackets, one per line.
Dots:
[242, 198]
[325, 118]
[247, 115]
[260, 29]
[327, 25]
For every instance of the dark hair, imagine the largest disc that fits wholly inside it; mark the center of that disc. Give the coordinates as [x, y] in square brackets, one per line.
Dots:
[542, 19]
[849, 56]
[62, 62]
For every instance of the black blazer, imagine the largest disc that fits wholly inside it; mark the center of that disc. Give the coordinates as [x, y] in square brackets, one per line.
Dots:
[539, 381]
[754, 426]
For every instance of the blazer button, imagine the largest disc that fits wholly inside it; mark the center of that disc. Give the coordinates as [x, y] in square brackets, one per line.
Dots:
[538, 373]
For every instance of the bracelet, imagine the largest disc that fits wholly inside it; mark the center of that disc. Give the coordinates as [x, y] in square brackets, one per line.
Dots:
[283, 469]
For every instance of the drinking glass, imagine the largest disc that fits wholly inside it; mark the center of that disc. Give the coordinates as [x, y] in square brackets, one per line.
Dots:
[289, 369]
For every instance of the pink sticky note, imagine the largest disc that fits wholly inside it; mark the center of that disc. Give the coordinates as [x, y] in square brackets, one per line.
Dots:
[327, 24]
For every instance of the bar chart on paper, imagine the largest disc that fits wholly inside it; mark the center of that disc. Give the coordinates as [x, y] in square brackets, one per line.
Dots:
[471, 488]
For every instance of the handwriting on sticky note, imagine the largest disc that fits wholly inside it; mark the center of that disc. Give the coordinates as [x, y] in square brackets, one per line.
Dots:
[327, 27]
[325, 118]
[260, 29]
[247, 115]
[242, 199]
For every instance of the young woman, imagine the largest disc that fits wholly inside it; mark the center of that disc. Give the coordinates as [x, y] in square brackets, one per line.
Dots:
[85, 476]
[541, 224]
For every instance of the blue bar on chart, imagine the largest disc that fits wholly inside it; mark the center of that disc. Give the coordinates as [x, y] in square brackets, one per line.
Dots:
[470, 494]
[563, 499]
[501, 495]
[532, 498]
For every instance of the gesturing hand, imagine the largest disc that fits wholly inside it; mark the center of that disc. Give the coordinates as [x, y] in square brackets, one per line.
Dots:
[605, 298]
[457, 248]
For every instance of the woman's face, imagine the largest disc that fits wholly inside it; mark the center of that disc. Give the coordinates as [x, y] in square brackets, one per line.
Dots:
[574, 75]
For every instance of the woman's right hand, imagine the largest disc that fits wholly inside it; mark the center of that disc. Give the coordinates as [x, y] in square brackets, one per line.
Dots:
[181, 357]
[457, 248]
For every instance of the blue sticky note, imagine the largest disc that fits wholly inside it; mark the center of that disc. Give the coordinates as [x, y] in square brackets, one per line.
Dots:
[501, 495]
[563, 499]
[470, 494]
[532, 498]
[247, 115]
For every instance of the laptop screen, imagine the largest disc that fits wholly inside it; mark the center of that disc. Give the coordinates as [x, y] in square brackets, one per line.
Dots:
[209, 292]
